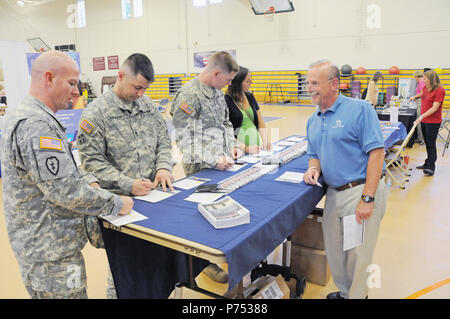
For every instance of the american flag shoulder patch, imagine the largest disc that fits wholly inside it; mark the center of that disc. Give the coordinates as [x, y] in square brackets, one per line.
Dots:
[186, 108]
[87, 126]
[50, 143]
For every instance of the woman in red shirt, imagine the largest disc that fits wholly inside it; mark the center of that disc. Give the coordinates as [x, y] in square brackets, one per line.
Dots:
[432, 97]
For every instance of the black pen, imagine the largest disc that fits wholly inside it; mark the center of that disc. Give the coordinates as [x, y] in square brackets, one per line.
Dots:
[200, 179]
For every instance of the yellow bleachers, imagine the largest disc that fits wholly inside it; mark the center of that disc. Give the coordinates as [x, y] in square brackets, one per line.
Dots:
[282, 86]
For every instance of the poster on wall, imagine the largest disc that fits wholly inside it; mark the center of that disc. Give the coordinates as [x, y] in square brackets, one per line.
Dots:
[98, 63]
[70, 119]
[113, 62]
[201, 58]
[31, 57]
[406, 87]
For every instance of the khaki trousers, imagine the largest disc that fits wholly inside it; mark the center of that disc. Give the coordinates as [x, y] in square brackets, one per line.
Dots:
[349, 268]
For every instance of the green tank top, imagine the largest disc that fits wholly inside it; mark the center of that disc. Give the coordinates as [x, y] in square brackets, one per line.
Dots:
[248, 133]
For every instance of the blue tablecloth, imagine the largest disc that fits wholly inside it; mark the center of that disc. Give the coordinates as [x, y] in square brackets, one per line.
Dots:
[276, 210]
[407, 117]
[392, 132]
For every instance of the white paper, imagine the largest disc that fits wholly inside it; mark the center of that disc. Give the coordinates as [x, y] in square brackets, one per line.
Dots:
[291, 177]
[250, 159]
[285, 143]
[264, 153]
[235, 167]
[76, 156]
[353, 232]
[294, 139]
[189, 183]
[121, 220]
[204, 198]
[393, 114]
[157, 195]
[277, 148]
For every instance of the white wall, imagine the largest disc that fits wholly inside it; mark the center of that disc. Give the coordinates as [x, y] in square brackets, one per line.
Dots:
[15, 71]
[413, 33]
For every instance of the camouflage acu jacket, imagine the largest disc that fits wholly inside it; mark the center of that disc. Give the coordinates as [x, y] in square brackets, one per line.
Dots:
[120, 142]
[203, 129]
[45, 194]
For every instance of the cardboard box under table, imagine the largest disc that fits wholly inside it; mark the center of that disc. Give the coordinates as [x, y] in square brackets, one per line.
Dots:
[310, 263]
[267, 287]
[309, 233]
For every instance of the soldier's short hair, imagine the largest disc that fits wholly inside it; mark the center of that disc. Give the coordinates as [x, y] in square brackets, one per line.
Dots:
[139, 63]
[224, 61]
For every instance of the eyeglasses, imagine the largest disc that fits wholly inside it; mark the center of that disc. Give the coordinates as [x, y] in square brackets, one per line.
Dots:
[316, 84]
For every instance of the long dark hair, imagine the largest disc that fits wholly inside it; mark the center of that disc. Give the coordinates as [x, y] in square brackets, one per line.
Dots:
[235, 88]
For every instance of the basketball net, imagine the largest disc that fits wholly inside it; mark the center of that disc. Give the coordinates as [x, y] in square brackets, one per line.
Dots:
[270, 13]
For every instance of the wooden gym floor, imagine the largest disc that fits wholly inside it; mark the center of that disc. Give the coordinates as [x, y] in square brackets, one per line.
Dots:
[412, 250]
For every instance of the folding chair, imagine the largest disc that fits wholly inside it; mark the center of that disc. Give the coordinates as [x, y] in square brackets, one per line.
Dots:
[395, 161]
[445, 129]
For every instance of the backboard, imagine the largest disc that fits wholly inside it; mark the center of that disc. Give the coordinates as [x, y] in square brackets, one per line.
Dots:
[38, 44]
[263, 6]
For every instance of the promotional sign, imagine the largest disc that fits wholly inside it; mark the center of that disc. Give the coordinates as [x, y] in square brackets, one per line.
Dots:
[31, 57]
[98, 63]
[113, 62]
[201, 58]
[406, 88]
[70, 119]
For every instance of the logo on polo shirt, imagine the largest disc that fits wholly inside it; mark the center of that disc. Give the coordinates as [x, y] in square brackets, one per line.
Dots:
[338, 124]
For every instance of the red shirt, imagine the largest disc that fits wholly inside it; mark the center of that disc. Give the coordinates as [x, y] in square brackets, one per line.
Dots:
[428, 98]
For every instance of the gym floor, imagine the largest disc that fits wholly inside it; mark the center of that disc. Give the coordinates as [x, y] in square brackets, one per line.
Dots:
[412, 250]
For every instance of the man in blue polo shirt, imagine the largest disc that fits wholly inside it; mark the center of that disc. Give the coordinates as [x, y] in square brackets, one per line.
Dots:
[345, 144]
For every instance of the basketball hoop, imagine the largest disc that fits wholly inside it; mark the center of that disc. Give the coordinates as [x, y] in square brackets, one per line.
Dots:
[270, 13]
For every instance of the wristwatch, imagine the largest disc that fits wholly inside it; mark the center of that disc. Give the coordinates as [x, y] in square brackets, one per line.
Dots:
[367, 198]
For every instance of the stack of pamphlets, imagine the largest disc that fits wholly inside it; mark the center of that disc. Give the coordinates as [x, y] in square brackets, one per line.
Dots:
[224, 213]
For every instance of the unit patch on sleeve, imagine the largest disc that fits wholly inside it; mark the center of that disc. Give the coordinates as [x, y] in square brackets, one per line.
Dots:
[186, 108]
[50, 143]
[87, 126]
[52, 164]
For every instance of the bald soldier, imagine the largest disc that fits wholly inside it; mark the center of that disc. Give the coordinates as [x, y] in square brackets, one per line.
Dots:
[46, 196]
[123, 138]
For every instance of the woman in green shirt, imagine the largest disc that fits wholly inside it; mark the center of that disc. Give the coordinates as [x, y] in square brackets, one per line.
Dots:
[245, 115]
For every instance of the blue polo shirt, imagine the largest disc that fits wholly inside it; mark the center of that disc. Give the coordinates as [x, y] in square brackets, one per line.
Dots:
[341, 139]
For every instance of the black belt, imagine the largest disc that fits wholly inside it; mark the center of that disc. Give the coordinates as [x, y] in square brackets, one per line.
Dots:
[354, 183]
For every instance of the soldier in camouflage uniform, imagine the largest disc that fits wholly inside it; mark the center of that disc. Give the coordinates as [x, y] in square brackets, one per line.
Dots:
[46, 196]
[204, 133]
[123, 138]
